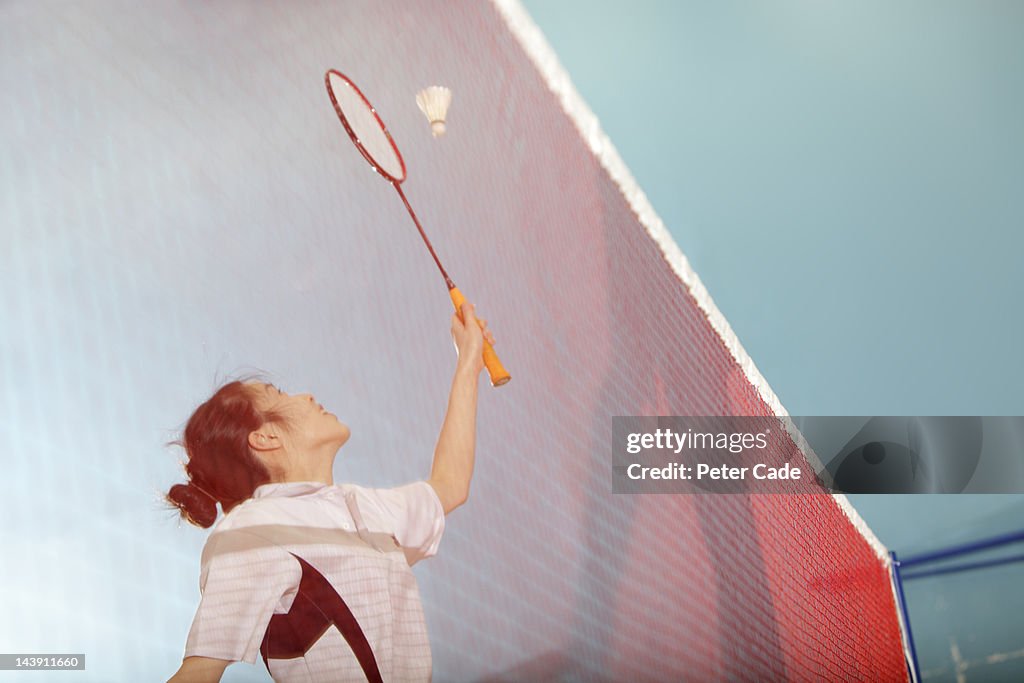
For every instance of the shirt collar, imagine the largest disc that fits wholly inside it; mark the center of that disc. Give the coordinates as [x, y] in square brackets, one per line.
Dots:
[289, 489]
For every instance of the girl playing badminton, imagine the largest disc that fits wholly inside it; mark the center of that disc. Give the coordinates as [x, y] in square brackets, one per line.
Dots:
[313, 576]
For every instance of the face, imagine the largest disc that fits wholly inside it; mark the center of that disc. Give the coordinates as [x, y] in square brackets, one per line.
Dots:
[310, 427]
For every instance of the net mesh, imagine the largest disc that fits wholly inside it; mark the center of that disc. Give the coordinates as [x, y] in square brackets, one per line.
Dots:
[188, 204]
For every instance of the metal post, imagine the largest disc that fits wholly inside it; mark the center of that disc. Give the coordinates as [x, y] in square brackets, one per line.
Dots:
[965, 548]
[957, 568]
[898, 583]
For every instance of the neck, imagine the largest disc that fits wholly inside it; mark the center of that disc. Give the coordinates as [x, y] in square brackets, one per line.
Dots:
[312, 467]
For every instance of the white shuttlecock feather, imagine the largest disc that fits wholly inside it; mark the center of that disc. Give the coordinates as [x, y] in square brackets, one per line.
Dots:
[434, 102]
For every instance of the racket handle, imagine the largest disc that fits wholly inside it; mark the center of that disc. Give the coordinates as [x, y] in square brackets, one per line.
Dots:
[499, 375]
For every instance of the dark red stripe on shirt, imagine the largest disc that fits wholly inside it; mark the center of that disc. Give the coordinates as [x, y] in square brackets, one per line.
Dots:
[317, 605]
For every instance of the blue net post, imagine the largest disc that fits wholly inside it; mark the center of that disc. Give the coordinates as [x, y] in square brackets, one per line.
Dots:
[915, 670]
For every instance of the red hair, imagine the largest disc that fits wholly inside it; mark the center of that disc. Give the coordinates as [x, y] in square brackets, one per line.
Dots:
[221, 467]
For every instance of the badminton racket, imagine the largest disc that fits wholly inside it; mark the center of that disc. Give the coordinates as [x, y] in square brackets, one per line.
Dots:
[374, 142]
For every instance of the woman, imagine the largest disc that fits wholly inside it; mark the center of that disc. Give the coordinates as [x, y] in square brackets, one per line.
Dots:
[312, 576]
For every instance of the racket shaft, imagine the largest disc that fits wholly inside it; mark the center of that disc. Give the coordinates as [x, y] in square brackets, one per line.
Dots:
[499, 375]
[423, 234]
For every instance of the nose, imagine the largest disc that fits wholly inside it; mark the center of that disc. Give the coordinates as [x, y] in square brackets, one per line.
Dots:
[312, 400]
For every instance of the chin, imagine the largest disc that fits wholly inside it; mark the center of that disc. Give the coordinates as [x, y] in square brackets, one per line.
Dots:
[343, 434]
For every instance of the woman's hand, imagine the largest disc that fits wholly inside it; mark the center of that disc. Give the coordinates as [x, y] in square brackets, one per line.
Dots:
[469, 338]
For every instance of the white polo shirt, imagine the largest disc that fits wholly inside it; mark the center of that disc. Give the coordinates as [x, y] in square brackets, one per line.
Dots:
[361, 541]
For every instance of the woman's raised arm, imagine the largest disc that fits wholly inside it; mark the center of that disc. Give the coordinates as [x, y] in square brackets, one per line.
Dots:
[455, 451]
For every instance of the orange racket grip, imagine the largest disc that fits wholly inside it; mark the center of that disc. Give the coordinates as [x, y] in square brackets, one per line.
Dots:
[499, 375]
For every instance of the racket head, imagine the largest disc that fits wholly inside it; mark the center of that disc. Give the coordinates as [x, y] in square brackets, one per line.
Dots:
[364, 126]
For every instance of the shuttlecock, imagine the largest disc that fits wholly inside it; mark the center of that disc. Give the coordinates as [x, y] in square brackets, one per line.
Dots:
[434, 102]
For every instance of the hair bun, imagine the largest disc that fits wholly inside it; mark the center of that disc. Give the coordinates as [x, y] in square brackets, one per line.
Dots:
[195, 504]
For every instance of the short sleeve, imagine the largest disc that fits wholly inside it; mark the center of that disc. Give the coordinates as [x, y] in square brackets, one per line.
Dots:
[415, 516]
[243, 580]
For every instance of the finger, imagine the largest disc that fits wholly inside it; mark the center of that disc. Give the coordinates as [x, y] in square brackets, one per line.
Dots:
[468, 313]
